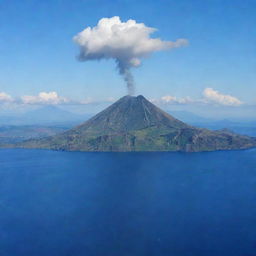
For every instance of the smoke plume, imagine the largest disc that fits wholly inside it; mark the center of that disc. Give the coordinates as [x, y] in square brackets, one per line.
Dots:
[125, 42]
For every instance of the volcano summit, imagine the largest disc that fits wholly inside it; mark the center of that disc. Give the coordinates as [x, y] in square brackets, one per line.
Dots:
[135, 124]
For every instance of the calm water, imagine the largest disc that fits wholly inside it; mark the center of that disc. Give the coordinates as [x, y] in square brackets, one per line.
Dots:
[127, 204]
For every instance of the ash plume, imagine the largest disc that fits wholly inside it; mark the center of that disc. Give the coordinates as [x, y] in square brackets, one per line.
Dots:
[125, 42]
[125, 72]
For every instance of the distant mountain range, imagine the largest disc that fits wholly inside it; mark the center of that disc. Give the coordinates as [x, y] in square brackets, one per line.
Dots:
[246, 127]
[135, 124]
[189, 117]
[16, 133]
[47, 115]
[42, 122]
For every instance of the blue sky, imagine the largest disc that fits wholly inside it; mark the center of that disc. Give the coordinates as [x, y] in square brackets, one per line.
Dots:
[38, 54]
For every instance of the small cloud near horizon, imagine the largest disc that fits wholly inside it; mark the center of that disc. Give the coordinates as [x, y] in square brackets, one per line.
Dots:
[216, 97]
[210, 96]
[49, 98]
[4, 97]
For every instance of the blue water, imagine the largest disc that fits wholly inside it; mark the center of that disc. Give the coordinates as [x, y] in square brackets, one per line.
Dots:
[127, 204]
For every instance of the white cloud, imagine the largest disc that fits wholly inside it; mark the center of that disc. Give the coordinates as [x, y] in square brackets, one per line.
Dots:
[44, 98]
[214, 96]
[211, 96]
[125, 42]
[169, 99]
[175, 100]
[52, 98]
[4, 97]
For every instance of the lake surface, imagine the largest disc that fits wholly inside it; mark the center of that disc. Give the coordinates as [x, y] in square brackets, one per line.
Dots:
[127, 204]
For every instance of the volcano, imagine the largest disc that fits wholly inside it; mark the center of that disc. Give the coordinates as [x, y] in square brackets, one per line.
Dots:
[135, 124]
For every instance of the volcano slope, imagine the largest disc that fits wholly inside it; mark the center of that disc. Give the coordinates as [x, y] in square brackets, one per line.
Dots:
[135, 124]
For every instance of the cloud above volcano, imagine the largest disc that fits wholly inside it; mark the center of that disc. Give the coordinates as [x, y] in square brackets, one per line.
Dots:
[125, 42]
